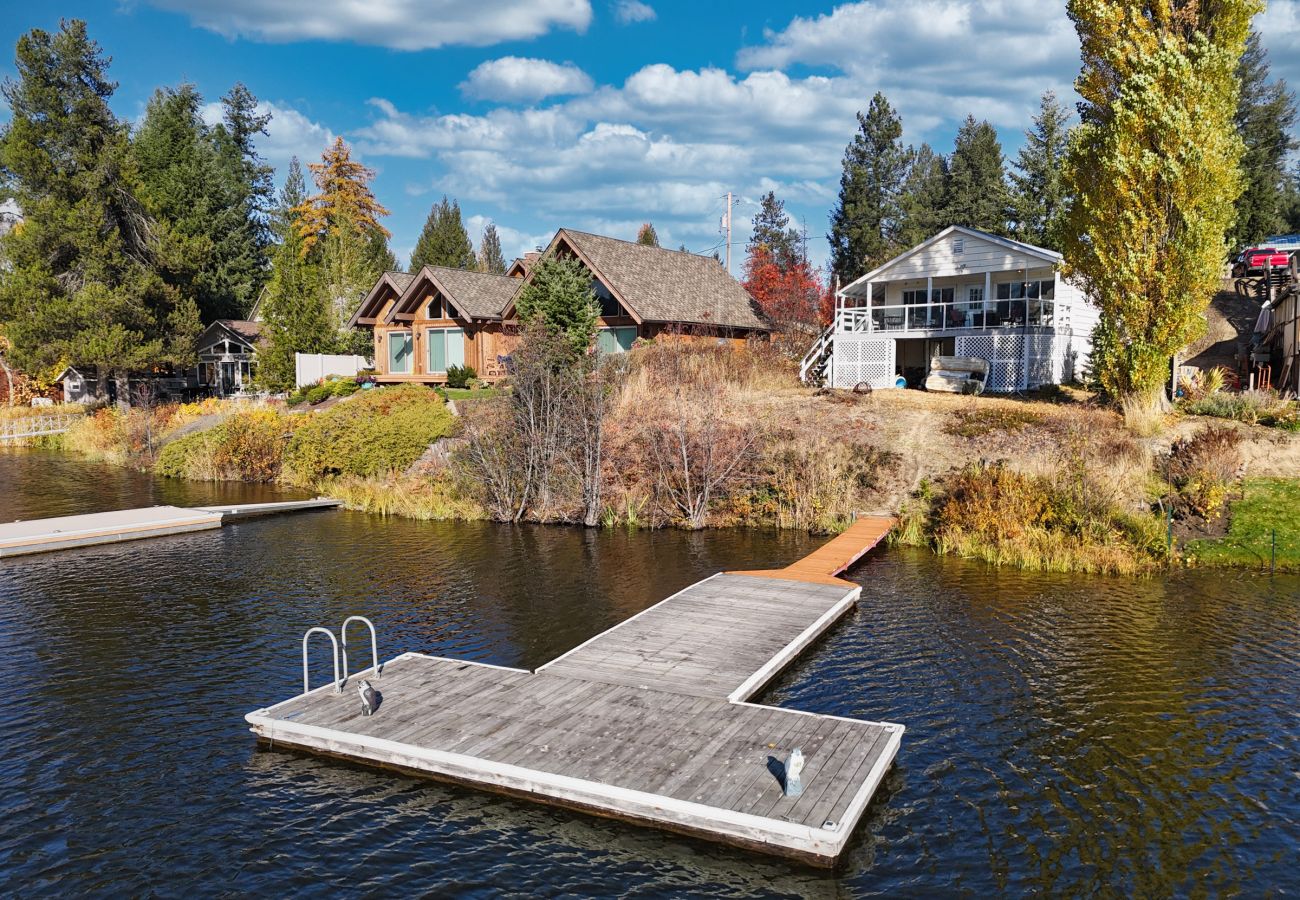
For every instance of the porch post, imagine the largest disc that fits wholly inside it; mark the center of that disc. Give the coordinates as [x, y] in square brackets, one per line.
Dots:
[929, 299]
[988, 296]
[871, 299]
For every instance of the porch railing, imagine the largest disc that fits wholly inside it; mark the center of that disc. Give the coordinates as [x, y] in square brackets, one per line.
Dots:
[959, 316]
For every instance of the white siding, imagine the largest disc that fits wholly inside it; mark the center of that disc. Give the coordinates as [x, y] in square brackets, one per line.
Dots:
[978, 255]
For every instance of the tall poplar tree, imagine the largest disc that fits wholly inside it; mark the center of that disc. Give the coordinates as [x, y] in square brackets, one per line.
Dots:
[444, 240]
[1153, 170]
[83, 287]
[1038, 197]
[977, 194]
[1266, 120]
[490, 257]
[864, 223]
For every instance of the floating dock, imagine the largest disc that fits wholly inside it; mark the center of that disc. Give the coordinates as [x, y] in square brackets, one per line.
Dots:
[648, 722]
[67, 532]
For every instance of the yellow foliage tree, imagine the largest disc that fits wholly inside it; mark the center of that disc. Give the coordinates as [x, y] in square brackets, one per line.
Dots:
[341, 223]
[1153, 169]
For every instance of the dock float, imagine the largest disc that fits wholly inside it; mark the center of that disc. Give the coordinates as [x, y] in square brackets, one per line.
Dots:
[649, 722]
[67, 532]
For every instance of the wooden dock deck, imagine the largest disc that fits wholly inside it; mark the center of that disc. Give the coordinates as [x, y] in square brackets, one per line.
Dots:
[647, 722]
[68, 532]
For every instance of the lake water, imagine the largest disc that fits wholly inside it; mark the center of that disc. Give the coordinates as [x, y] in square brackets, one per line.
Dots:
[1065, 734]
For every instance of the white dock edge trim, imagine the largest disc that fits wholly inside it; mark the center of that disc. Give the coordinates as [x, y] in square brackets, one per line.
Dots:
[755, 682]
[651, 807]
[201, 518]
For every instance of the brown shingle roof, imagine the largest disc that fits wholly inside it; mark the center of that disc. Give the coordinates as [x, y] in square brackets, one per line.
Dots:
[397, 282]
[479, 295]
[249, 331]
[668, 285]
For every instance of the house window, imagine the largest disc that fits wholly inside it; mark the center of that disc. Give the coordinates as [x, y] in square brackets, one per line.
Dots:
[435, 308]
[917, 297]
[615, 340]
[1032, 299]
[609, 307]
[446, 348]
[399, 352]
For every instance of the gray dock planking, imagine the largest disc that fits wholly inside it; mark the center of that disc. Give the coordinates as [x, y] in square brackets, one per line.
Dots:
[646, 722]
[69, 532]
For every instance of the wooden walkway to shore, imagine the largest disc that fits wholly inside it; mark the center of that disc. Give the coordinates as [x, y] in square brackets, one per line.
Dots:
[68, 532]
[647, 722]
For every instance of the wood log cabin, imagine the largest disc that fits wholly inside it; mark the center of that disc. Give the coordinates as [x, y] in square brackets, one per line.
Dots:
[427, 321]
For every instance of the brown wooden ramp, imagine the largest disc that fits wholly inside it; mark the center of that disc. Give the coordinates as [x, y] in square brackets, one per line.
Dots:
[645, 722]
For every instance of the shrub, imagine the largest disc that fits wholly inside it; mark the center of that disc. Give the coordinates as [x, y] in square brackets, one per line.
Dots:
[248, 446]
[994, 513]
[383, 430]
[1251, 407]
[1201, 468]
[460, 376]
[319, 394]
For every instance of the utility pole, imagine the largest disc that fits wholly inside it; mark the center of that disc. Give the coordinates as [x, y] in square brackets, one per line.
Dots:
[728, 232]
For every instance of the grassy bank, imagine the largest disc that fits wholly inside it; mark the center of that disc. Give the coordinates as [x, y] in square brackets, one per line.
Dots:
[1265, 519]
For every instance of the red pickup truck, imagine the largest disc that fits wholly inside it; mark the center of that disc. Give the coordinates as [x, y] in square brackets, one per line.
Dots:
[1255, 260]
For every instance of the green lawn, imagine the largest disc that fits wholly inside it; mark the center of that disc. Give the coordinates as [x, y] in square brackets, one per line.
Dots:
[467, 394]
[1271, 505]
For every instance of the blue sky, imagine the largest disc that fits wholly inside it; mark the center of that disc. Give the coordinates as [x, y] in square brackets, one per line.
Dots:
[598, 114]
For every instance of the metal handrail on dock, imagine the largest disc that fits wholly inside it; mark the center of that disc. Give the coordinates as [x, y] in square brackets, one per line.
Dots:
[374, 644]
[37, 426]
[334, 643]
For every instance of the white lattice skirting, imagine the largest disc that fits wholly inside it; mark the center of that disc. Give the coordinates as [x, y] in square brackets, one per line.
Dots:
[863, 359]
[1020, 361]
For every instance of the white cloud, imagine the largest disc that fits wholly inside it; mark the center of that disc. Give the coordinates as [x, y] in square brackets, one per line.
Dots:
[515, 79]
[288, 134]
[398, 24]
[630, 11]
[514, 243]
[1279, 27]
[936, 60]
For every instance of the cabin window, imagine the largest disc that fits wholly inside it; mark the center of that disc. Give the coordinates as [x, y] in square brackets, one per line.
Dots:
[399, 352]
[917, 297]
[609, 307]
[435, 308]
[446, 348]
[615, 340]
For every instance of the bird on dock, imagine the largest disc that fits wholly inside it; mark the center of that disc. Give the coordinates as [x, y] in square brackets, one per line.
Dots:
[793, 768]
[369, 698]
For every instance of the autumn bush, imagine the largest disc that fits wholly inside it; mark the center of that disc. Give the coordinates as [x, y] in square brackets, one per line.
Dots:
[247, 446]
[1005, 517]
[1202, 468]
[977, 421]
[382, 430]
[426, 497]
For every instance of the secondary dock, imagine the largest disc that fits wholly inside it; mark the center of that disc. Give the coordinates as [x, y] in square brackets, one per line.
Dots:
[648, 722]
[67, 532]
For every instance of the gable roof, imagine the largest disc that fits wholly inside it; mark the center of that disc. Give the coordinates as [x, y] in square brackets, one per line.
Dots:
[241, 330]
[389, 285]
[476, 295]
[658, 285]
[1049, 256]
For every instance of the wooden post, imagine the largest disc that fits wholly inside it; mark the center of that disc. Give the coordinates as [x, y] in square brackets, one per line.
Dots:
[929, 298]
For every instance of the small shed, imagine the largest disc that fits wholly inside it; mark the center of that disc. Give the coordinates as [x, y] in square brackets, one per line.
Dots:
[76, 385]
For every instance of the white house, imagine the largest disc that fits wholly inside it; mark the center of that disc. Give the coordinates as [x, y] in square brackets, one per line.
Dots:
[961, 293]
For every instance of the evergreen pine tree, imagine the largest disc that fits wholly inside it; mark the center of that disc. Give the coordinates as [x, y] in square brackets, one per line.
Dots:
[559, 295]
[864, 223]
[647, 235]
[1266, 119]
[920, 203]
[490, 257]
[83, 286]
[772, 232]
[1038, 191]
[242, 248]
[444, 241]
[977, 194]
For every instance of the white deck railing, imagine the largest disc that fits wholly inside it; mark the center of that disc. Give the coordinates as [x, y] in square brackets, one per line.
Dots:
[945, 317]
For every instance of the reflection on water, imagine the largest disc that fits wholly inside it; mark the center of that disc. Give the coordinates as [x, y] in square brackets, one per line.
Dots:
[1064, 734]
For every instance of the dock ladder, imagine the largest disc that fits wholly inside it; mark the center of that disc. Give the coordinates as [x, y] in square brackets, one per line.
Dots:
[341, 652]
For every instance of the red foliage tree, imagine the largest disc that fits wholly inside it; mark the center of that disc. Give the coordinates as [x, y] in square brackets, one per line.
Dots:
[790, 295]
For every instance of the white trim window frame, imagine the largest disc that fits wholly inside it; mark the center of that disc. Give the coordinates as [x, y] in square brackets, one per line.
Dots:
[407, 354]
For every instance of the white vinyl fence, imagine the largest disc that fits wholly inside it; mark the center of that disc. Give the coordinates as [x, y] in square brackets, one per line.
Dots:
[310, 368]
